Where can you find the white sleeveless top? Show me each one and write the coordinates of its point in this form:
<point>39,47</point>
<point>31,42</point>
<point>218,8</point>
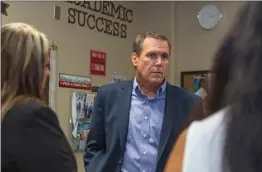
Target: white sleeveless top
<point>204,144</point>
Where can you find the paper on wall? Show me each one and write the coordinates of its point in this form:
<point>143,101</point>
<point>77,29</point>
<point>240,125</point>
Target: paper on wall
<point>74,133</point>
<point>82,111</point>
<point>117,77</point>
<point>74,111</point>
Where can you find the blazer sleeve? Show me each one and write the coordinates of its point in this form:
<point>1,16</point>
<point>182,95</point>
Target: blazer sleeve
<point>37,142</point>
<point>197,112</point>
<point>95,144</point>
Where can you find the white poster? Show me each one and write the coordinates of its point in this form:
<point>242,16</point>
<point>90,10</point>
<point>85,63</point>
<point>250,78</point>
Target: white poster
<point>82,106</point>
<point>117,77</point>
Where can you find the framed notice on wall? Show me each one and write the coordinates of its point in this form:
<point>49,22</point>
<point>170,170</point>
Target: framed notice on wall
<point>97,63</point>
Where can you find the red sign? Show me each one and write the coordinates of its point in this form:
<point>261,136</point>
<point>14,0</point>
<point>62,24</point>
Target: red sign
<point>73,81</point>
<point>97,63</point>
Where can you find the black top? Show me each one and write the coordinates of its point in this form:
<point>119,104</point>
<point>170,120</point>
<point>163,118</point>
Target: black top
<point>32,140</point>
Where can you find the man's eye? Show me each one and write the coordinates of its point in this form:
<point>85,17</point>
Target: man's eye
<point>152,54</point>
<point>164,56</point>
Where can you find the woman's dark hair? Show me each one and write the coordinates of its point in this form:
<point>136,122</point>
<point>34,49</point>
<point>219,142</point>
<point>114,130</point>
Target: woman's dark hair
<point>219,76</point>
<point>237,82</point>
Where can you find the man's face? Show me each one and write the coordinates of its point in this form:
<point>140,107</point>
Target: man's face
<point>152,63</point>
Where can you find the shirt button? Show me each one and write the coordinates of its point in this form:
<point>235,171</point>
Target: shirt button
<point>151,140</point>
<point>146,117</point>
<point>144,152</point>
<point>144,135</point>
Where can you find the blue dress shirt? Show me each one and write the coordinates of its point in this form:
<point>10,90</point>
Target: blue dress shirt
<point>145,121</point>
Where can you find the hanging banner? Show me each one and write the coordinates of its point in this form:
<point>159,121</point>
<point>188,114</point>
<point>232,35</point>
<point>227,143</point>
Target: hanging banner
<point>97,63</point>
<point>74,81</point>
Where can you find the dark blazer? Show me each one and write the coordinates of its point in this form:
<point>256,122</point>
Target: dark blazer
<point>32,141</point>
<point>107,138</point>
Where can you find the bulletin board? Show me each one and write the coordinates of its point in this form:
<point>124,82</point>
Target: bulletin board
<point>188,79</point>
<point>191,81</point>
<point>82,104</point>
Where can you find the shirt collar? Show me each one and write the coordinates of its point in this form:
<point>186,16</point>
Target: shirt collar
<point>160,91</point>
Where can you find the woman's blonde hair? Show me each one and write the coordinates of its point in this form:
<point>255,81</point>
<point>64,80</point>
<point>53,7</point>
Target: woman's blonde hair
<point>24,55</point>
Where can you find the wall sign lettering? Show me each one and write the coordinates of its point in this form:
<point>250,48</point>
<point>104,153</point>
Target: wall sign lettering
<point>87,18</point>
<point>74,81</point>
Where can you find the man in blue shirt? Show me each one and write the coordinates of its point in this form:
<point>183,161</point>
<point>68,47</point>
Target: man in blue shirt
<point>136,123</point>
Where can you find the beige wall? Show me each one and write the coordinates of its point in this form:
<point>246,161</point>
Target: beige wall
<point>193,47</point>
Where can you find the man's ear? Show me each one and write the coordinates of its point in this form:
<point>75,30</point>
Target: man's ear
<point>134,58</point>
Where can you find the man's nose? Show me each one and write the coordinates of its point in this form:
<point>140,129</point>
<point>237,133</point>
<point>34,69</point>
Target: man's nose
<point>159,60</point>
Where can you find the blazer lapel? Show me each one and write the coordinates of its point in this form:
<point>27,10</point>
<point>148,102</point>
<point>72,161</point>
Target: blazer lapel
<point>172,112</point>
<point>124,99</point>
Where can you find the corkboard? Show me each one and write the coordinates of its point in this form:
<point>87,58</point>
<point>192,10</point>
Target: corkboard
<point>187,79</point>
<point>187,82</point>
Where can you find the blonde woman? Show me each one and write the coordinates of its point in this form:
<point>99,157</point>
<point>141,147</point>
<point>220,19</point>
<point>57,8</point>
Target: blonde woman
<point>32,140</point>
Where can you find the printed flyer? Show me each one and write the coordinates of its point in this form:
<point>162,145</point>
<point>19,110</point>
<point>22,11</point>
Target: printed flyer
<point>82,110</point>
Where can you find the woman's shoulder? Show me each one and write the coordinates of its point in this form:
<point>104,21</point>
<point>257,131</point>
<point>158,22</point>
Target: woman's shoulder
<point>209,124</point>
<point>191,150</point>
<point>30,110</point>
<point>28,105</point>
<point>33,126</point>
<point>204,143</point>
<point>202,132</point>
